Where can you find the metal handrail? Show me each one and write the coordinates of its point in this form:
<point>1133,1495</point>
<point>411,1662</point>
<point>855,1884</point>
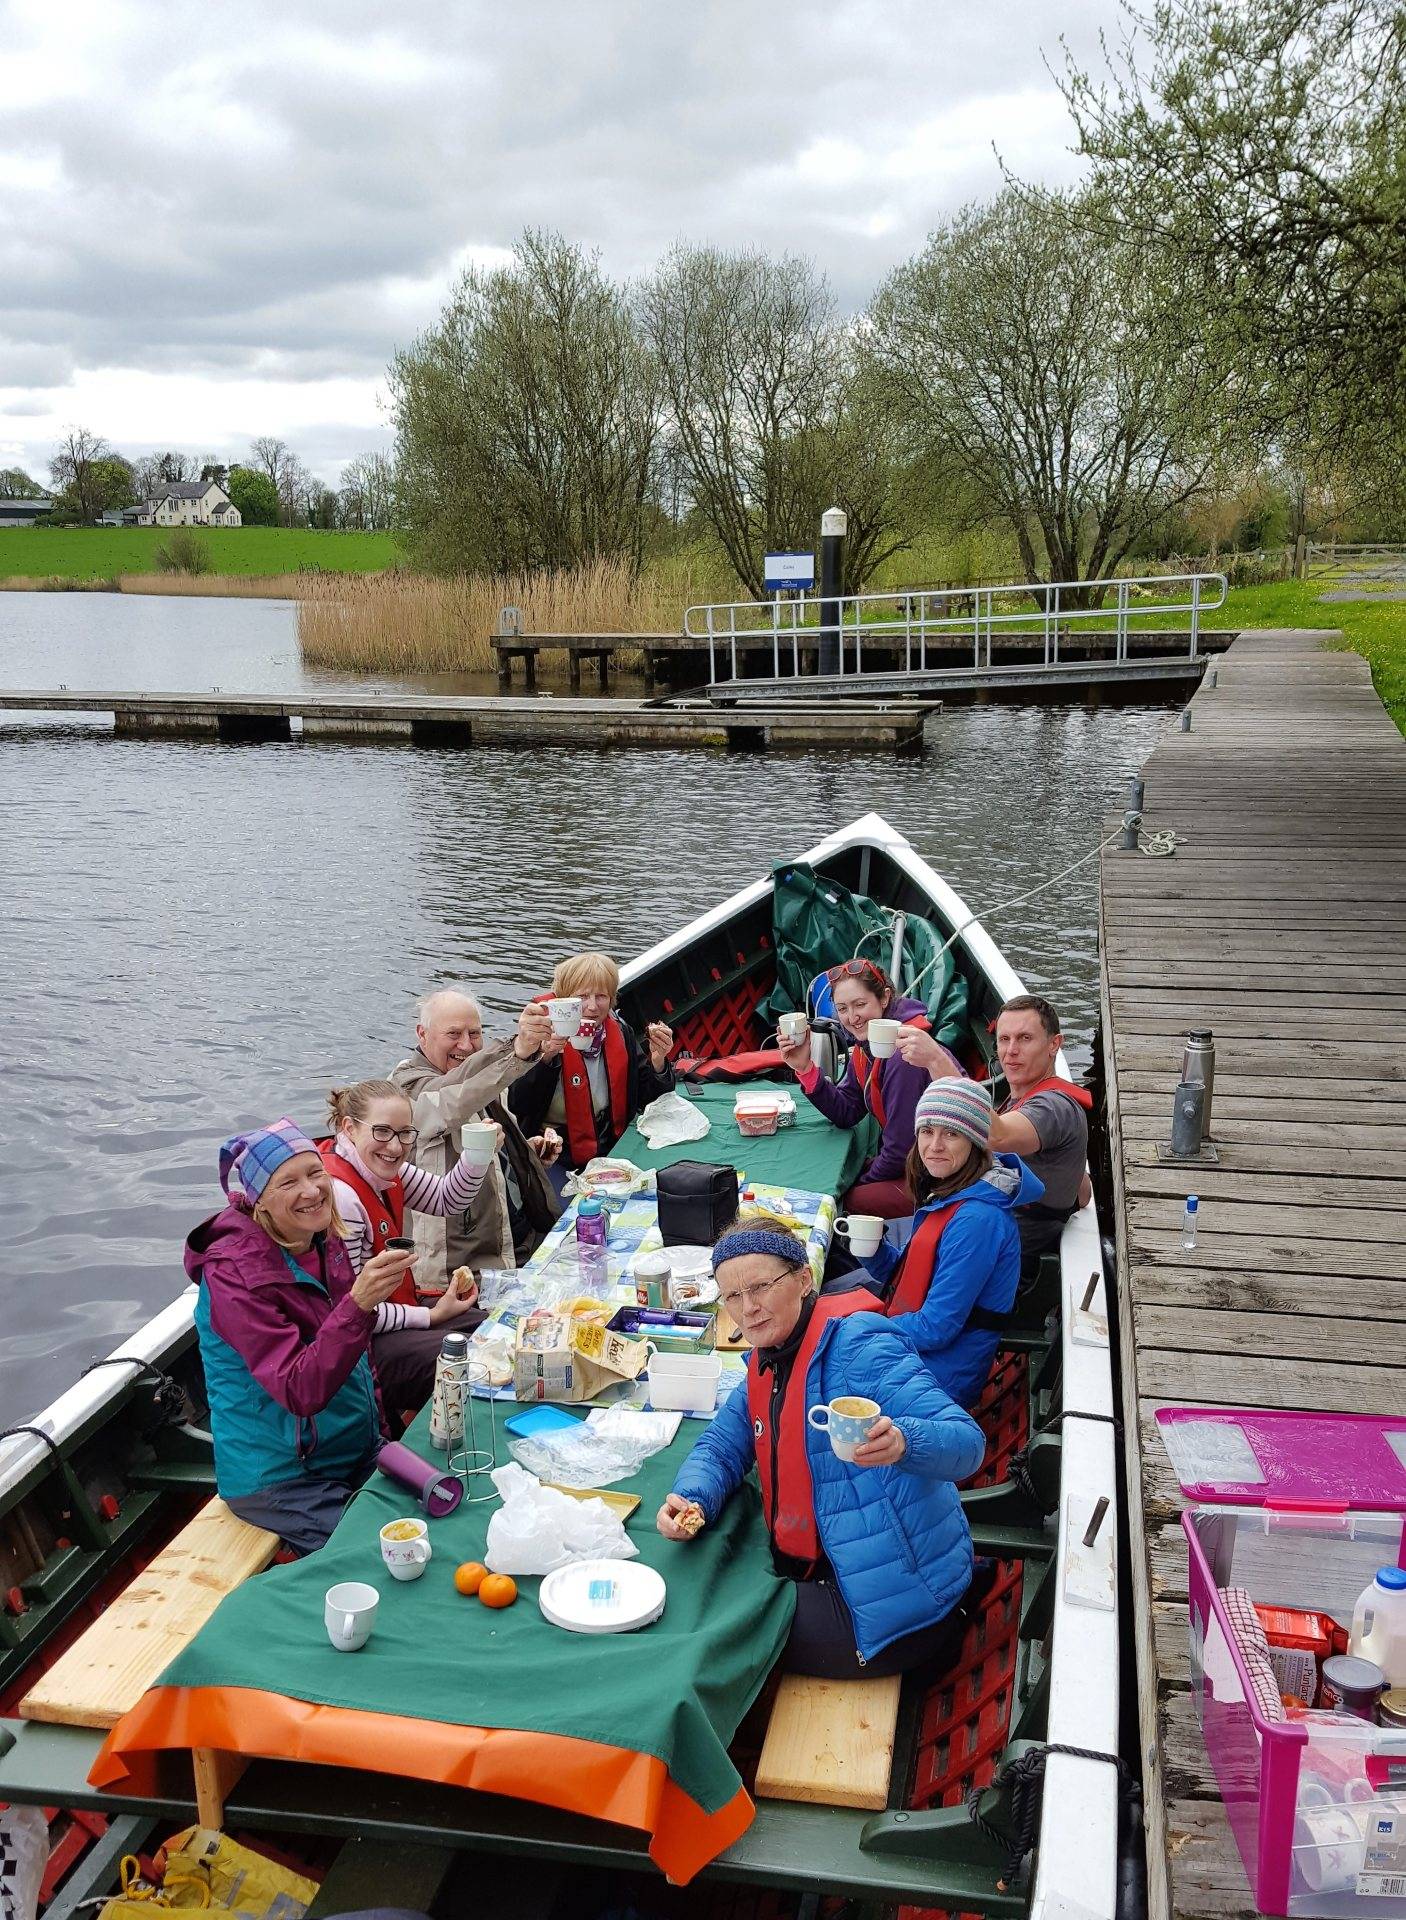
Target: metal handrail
<point>910,617</point>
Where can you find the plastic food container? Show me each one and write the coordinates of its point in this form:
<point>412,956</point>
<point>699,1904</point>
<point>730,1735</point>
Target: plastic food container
<point>756,1114</point>
<point>684,1382</point>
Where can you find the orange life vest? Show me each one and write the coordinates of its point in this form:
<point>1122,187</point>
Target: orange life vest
<point>1079,1095</point>
<point>866,1072</point>
<point>385,1212</point>
<point>783,1468</point>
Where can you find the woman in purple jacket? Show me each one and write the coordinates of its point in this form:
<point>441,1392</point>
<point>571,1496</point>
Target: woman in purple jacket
<point>285,1330</point>
<point>887,1089</point>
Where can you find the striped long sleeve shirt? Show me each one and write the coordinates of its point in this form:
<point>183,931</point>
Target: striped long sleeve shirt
<point>425,1192</point>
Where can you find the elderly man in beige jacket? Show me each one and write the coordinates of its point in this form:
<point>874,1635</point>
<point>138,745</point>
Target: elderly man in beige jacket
<point>454,1077</point>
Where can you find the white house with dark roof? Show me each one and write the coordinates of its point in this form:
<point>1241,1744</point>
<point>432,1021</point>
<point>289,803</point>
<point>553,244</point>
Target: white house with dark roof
<point>186,503</point>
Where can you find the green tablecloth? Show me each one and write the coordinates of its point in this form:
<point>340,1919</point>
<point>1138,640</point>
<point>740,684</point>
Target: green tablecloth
<point>676,1690</point>
<point>812,1154</point>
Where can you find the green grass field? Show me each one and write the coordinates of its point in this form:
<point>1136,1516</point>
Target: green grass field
<point>105,553</point>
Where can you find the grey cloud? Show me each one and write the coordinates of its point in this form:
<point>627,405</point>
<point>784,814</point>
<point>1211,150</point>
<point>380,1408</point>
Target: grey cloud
<point>242,190</point>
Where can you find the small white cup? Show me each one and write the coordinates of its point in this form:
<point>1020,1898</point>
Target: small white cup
<point>792,1028</point>
<point>882,1038</point>
<point>1329,1845</point>
<point>406,1553</point>
<point>350,1614</point>
<point>864,1231</point>
<point>480,1139</point>
<point>565,1016</point>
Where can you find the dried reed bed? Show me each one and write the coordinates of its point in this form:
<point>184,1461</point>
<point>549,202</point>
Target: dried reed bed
<point>416,624</point>
<point>232,586</point>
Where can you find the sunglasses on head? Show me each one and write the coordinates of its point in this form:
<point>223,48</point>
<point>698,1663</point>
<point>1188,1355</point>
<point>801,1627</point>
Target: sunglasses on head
<point>857,970</point>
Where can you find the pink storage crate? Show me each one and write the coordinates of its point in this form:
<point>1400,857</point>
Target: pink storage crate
<point>1317,1803</point>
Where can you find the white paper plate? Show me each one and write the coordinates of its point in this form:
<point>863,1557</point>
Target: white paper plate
<point>565,1596</point>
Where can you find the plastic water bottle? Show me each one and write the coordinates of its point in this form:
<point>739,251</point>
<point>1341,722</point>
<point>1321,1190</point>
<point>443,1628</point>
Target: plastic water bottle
<point>1379,1624</point>
<point>1188,1221</point>
<point>592,1231</point>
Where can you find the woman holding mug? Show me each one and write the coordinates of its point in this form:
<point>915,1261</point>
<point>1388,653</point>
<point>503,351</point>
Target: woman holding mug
<point>888,1088</point>
<point>604,1074</point>
<point>285,1327</point>
<point>876,1543</point>
<point>373,1185</point>
<point>950,1290</point>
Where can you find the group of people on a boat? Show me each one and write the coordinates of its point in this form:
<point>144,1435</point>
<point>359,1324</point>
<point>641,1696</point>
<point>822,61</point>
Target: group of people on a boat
<point>327,1281</point>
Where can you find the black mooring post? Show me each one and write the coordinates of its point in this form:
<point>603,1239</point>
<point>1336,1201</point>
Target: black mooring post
<point>833,525</point>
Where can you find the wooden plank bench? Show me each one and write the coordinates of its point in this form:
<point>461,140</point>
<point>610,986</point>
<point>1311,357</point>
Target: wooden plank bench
<point>110,1666</point>
<point>830,1742</point>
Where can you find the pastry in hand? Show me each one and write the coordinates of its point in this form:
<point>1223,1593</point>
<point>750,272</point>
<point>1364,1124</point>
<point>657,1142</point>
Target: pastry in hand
<point>463,1282</point>
<point>691,1519</point>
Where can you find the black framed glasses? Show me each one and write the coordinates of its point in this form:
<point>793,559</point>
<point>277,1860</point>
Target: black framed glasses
<point>407,1136</point>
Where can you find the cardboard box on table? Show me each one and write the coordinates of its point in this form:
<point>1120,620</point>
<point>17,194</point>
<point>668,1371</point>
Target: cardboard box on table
<point>583,1359</point>
<point>1303,1509</point>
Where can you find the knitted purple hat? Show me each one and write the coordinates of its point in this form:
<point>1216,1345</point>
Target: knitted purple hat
<point>962,1106</point>
<point>254,1158</point>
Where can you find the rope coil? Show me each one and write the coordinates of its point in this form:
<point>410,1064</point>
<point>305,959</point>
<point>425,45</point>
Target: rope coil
<point>1024,1779</point>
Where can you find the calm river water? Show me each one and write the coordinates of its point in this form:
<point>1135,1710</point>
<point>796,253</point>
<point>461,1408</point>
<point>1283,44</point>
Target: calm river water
<point>201,937</point>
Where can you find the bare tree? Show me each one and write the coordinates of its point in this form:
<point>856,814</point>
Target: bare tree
<point>1035,367</point>
<point>290,477</point>
<point>75,470</point>
<point>527,418</point>
<point>368,493</point>
<point>769,419</point>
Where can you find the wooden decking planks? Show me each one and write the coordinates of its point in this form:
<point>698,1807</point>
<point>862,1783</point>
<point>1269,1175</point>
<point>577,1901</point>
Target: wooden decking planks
<point>1279,923</point>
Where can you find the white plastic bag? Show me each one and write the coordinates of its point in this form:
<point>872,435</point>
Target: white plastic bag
<point>537,1529</point>
<point>670,1120</point>
<point>24,1853</point>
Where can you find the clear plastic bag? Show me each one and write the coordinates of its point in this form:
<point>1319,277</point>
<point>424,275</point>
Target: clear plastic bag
<point>671,1120</point>
<point>24,1853</point>
<point>591,1454</point>
<point>537,1529</point>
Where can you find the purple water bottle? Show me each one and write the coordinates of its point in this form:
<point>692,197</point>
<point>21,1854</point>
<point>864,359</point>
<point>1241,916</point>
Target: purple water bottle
<point>592,1231</point>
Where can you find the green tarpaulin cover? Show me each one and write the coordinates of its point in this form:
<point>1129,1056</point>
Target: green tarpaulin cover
<point>817,923</point>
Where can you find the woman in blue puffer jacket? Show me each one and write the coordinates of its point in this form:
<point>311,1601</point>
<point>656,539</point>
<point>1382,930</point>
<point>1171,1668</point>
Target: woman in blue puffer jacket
<point>877,1544</point>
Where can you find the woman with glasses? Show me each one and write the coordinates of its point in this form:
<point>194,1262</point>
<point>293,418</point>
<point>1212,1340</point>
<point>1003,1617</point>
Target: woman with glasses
<point>285,1327</point>
<point>373,1184</point>
<point>889,1089</point>
<point>877,1545</point>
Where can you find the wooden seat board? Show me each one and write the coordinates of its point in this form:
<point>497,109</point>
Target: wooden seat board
<point>830,1742</point>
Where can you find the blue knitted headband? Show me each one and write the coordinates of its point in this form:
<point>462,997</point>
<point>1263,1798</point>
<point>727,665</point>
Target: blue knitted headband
<point>760,1240</point>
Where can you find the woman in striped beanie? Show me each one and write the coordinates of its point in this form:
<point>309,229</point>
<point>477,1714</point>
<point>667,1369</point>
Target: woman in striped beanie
<point>951,1286</point>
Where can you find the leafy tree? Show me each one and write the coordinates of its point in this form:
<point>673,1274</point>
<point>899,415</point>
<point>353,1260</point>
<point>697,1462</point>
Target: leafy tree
<point>1041,385</point>
<point>771,418</point>
<point>527,418</point>
<point>1260,152</point>
<point>16,484</point>
<point>255,495</point>
<point>215,470</point>
<point>323,506</point>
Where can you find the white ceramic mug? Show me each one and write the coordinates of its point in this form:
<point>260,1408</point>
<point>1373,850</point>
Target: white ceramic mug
<point>864,1231</point>
<point>882,1038</point>
<point>792,1028</point>
<point>480,1142</point>
<point>405,1548</point>
<point>350,1614</point>
<point>565,1015</point>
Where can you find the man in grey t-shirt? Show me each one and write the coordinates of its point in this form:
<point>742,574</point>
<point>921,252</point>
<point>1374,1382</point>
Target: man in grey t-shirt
<point>1044,1119</point>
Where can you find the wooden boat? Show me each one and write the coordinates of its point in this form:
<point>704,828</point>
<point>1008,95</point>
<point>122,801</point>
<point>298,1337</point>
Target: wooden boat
<point>115,1467</point>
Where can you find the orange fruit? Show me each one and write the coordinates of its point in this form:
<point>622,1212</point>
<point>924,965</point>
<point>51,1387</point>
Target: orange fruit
<point>498,1590</point>
<point>471,1576</point>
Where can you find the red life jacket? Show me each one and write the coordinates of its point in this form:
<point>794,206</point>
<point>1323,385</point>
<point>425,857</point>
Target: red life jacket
<point>734,1066</point>
<point>916,1271</point>
<point>1079,1095</point>
<point>866,1072</point>
<point>385,1212</point>
<point>788,1499</point>
<point>581,1138</point>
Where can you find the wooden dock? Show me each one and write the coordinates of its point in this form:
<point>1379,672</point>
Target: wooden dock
<point>484,721</point>
<point>1280,923</point>
<point>1158,678</point>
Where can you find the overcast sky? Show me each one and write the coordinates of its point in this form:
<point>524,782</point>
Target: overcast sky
<point>219,218</point>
